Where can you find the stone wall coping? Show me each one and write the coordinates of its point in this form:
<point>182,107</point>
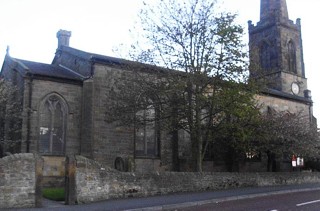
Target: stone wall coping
<point>21,156</point>
<point>92,164</point>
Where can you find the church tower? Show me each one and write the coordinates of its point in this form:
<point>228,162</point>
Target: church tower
<point>276,53</point>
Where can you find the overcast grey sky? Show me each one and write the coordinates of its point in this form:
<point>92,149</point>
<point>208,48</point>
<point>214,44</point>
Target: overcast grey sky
<point>29,27</point>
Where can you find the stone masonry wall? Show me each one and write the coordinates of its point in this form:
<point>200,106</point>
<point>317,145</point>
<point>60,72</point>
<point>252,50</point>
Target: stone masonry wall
<point>18,181</point>
<point>109,140</point>
<point>94,182</point>
<point>72,94</point>
<point>281,105</point>
<point>53,171</point>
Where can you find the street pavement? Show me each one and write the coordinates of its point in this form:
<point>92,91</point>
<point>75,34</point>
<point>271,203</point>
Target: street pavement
<point>298,201</point>
<point>179,200</point>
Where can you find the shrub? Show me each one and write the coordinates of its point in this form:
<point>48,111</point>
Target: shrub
<point>56,194</point>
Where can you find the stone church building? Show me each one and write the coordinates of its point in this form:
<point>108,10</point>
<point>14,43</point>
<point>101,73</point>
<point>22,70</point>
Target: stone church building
<point>276,51</point>
<point>64,103</point>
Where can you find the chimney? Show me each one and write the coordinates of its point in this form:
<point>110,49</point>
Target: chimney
<point>63,37</point>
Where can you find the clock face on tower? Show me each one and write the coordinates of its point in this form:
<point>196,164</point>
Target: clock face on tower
<point>295,88</point>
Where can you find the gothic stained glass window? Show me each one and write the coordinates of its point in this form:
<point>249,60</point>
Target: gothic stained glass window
<point>52,126</point>
<point>292,62</point>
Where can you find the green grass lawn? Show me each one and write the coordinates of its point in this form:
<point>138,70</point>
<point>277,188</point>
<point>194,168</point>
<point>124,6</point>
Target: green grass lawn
<point>56,194</point>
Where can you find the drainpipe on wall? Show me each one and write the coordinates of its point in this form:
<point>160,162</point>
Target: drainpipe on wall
<point>29,113</point>
<point>307,94</point>
<point>311,114</point>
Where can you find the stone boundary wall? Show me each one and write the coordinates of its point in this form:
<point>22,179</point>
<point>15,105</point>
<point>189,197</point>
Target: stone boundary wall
<point>20,176</point>
<point>93,182</point>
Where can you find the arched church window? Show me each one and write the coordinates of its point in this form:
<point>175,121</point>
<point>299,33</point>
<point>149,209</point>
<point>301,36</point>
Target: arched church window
<point>52,125</point>
<point>265,56</point>
<point>292,61</point>
<point>147,133</point>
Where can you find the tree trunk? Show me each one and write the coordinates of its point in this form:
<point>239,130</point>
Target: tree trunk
<point>175,151</point>
<point>198,131</point>
<point>175,136</point>
<point>199,155</point>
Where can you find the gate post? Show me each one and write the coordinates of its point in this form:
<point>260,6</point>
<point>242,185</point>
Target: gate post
<point>38,178</point>
<point>70,180</point>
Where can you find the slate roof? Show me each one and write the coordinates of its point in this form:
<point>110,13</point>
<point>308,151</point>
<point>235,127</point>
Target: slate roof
<point>102,59</point>
<point>92,56</point>
<point>281,94</point>
<point>48,70</point>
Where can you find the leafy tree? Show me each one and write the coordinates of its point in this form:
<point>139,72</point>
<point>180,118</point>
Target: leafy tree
<point>236,134</point>
<point>207,49</point>
<point>10,118</point>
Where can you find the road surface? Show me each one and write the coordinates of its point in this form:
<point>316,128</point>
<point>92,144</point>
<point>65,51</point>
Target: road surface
<point>234,198</point>
<point>306,200</point>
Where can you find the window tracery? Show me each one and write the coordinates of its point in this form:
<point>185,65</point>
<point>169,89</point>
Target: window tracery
<point>52,126</point>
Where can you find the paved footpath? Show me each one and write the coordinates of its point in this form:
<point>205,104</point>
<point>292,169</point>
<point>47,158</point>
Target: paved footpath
<point>174,201</point>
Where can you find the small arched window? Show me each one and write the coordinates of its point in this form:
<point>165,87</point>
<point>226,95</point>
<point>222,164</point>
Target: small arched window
<point>292,61</point>
<point>52,125</point>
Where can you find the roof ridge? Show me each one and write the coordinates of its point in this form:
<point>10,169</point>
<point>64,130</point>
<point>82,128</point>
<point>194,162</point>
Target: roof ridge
<point>72,71</point>
<point>24,60</point>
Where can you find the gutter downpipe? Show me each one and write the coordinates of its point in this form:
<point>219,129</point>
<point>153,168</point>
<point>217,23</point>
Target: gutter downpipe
<point>29,113</point>
<point>84,78</point>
